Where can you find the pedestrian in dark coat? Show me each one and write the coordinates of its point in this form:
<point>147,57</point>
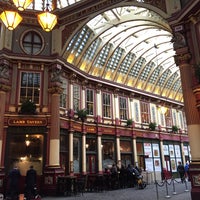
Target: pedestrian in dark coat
<point>31,179</point>
<point>181,171</point>
<point>14,182</point>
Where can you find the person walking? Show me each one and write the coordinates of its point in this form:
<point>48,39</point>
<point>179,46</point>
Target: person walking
<point>181,171</point>
<point>30,181</point>
<point>187,173</point>
<point>14,180</point>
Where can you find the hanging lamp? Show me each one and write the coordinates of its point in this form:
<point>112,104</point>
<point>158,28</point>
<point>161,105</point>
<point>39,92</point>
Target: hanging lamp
<point>22,4</point>
<point>47,20</point>
<point>11,19</point>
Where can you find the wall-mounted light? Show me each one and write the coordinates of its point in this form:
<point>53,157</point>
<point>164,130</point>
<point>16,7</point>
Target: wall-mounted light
<point>86,146</point>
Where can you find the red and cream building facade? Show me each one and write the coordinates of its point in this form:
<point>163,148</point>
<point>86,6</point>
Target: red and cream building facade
<point>46,69</point>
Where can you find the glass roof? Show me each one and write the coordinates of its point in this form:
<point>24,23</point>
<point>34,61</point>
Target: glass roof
<point>41,4</point>
<point>131,46</point>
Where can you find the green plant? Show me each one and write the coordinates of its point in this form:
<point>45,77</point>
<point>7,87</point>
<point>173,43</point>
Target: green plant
<point>129,122</point>
<point>174,128</point>
<point>28,107</point>
<point>152,126</point>
<point>82,114</point>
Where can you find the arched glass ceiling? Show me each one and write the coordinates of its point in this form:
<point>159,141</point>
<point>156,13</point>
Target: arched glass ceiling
<point>41,4</point>
<point>131,46</point>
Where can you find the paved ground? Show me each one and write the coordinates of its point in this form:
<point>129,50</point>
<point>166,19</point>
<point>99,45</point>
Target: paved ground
<point>160,191</point>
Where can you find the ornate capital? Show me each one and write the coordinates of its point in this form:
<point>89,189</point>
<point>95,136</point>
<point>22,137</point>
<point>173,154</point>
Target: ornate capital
<point>182,59</point>
<point>55,90</point>
<point>5,88</point>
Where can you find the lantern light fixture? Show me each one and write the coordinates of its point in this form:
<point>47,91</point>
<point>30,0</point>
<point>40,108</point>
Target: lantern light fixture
<point>11,18</point>
<point>47,20</point>
<point>22,4</point>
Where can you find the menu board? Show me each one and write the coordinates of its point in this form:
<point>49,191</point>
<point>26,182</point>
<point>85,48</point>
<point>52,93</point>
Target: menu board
<point>149,164</point>
<point>147,149</point>
<point>156,152</point>
<point>165,150</point>
<point>177,151</point>
<point>171,150</point>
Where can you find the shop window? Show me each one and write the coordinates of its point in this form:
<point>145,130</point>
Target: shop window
<point>77,155</point>
<point>24,151</point>
<point>32,43</point>
<point>30,87</point>
<point>90,101</point>
<point>91,144</point>
<point>123,108</point>
<point>125,146</point>
<point>108,153</point>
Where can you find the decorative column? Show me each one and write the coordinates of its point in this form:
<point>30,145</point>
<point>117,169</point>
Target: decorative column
<point>71,159</point>
<point>192,117</point>
<point>99,151</point>
<point>162,155</point>
<point>135,151</point>
<point>84,154</point>
<point>118,151</point>
<point>53,169</point>
<point>4,88</point>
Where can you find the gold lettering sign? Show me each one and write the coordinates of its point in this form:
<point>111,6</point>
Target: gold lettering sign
<point>27,122</point>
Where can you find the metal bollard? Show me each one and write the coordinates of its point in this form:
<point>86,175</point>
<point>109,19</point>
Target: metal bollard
<point>186,187</point>
<point>167,196</point>
<point>174,192</point>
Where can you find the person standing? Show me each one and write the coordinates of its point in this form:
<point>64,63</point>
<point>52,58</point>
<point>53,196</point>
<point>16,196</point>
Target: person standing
<point>30,181</point>
<point>187,170</point>
<point>14,180</point>
<point>181,171</point>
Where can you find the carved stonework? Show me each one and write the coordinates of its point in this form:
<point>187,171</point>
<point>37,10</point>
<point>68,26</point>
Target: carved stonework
<point>55,90</point>
<point>4,71</point>
<point>56,74</point>
<point>182,59</point>
<point>4,88</point>
<point>178,40</point>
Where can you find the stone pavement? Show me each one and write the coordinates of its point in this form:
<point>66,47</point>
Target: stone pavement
<point>160,191</point>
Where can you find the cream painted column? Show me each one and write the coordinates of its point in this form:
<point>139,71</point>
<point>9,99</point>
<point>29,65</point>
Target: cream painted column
<point>116,108</point>
<point>99,101</point>
<point>54,146</point>
<point>183,154</point>
<point>84,153</point>
<point>118,150</point>
<point>99,151</point>
<point>162,155</point>
<point>71,160</point>
<point>135,150</point>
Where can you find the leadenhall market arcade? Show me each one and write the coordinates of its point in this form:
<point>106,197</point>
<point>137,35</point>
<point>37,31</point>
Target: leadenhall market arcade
<point>107,82</point>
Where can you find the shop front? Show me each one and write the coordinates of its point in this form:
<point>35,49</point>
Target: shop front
<point>25,147</point>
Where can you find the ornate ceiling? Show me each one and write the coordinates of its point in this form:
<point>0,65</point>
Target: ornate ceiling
<point>131,46</point>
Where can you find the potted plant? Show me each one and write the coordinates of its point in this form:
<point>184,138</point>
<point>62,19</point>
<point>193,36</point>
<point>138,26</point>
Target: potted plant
<point>152,126</point>
<point>174,128</point>
<point>28,107</point>
<point>129,122</point>
<point>82,114</point>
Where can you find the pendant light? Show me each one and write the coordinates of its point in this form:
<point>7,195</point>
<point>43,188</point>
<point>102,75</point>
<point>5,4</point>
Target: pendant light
<point>22,4</point>
<point>11,19</point>
<point>47,20</point>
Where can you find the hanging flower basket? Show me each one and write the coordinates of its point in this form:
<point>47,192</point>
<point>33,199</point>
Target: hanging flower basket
<point>28,107</point>
<point>152,126</point>
<point>82,114</point>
